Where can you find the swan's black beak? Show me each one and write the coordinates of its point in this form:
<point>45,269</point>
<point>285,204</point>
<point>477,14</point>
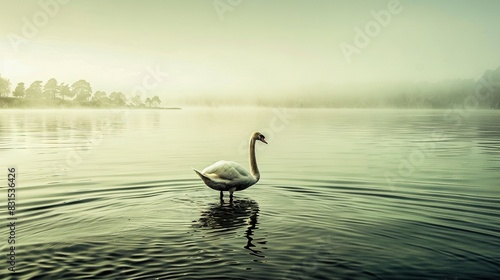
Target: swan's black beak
<point>263,140</point>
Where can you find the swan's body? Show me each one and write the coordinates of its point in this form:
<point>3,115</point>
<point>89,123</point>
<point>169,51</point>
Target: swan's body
<point>230,176</point>
<point>224,175</point>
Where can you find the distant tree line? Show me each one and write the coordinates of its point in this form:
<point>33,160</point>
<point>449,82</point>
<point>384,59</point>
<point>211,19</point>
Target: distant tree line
<point>79,92</point>
<point>484,93</point>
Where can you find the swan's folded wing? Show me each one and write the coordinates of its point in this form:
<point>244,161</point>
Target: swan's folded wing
<point>226,170</point>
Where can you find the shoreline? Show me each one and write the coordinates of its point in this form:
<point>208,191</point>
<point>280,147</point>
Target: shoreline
<point>35,103</point>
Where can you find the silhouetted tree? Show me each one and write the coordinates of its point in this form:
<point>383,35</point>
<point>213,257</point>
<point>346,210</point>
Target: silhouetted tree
<point>136,100</point>
<point>100,98</point>
<point>82,90</point>
<point>35,90</point>
<point>156,100</point>
<point>4,86</point>
<point>98,95</point>
<point>118,98</point>
<point>148,102</point>
<point>50,89</point>
<point>20,90</point>
<point>65,91</point>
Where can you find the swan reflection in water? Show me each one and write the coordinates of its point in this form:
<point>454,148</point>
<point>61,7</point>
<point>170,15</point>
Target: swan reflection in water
<point>225,218</point>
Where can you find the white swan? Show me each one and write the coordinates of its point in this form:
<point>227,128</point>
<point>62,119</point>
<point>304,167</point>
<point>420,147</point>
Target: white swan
<point>230,176</point>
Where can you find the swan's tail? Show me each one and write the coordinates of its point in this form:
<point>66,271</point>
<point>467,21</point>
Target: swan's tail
<point>203,177</point>
<point>199,173</point>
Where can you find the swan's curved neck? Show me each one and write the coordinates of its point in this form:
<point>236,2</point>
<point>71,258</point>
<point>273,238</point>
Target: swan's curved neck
<point>253,161</point>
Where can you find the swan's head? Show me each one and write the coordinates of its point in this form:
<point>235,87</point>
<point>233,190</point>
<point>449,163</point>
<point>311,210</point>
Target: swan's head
<point>259,136</point>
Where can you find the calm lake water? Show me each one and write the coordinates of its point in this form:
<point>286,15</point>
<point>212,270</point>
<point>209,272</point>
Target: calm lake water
<point>344,194</point>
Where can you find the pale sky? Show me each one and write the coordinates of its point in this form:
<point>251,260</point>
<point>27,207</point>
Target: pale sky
<point>254,46</point>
